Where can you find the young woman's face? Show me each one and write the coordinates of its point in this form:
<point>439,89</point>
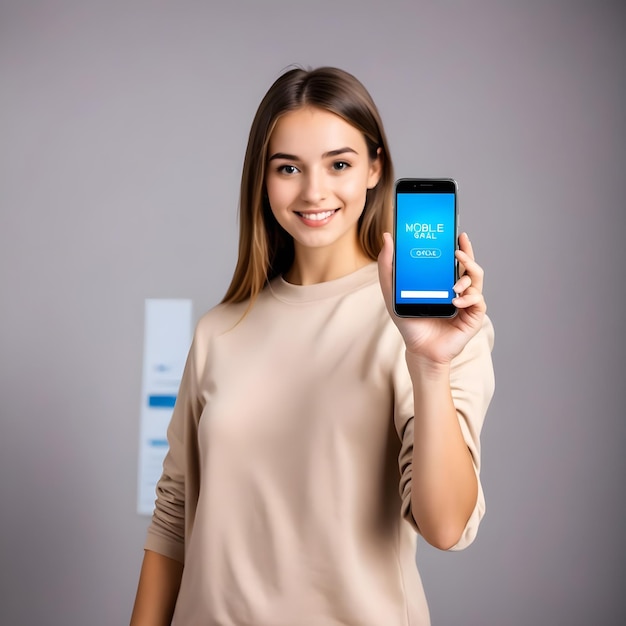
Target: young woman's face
<point>318,173</point>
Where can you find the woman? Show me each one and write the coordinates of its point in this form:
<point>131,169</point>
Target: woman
<point>315,433</point>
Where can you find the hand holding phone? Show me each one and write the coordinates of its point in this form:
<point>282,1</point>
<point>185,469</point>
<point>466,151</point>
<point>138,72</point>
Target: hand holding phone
<point>425,232</point>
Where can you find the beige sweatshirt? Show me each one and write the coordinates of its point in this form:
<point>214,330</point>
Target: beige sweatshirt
<point>286,489</point>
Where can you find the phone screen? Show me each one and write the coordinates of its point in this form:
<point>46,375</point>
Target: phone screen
<point>425,241</point>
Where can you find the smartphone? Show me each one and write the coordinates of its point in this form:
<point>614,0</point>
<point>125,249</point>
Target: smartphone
<point>425,232</point>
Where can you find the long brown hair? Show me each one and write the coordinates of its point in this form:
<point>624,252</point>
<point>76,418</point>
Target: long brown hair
<point>265,248</point>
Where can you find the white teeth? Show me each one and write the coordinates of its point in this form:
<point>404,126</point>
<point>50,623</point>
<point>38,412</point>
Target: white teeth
<point>317,217</point>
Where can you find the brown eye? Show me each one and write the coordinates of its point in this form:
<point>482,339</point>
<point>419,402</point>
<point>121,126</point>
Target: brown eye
<point>287,169</point>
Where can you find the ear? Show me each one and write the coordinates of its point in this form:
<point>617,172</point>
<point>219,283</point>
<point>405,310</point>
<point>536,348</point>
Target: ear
<point>376,170</point>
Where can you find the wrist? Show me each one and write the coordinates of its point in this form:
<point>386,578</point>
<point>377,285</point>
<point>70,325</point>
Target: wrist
<point>421,365</point>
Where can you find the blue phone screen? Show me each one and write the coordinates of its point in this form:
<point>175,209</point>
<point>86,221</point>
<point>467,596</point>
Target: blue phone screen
<point>425,244</point>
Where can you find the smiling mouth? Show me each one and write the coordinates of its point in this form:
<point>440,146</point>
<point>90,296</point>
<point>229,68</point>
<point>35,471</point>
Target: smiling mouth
<point>318,216</point>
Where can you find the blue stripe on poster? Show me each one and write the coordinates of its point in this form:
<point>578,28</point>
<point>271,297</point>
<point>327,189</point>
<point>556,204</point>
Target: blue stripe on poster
<point>161,402</point>
<point>158,443</point>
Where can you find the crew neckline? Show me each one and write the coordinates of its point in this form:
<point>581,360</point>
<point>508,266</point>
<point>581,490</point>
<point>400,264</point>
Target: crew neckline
<point>288,292</point>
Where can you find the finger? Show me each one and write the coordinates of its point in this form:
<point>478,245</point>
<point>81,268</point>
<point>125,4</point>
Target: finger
<point>472,269</point>
<point>385,260</point>
<point>462,284</point>
<point>466,245</point>
<point>470,299</point>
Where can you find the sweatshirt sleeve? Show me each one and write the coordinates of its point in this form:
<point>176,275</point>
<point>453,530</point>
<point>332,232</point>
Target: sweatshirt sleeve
<point>177,489</point>
<point>472,385</point>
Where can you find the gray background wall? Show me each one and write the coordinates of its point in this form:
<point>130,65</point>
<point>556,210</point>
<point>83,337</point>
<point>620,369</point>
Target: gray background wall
<point>122,131</point>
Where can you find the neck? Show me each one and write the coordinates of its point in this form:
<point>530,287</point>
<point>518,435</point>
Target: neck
<point>318,265</point>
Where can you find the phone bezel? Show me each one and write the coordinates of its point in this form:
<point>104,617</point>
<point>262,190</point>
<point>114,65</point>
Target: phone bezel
<point>425,185</point>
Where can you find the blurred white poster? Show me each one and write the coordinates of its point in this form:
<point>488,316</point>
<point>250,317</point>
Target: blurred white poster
<point>166,343</point>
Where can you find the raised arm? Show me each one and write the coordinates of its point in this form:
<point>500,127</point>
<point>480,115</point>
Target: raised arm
<point>444,486</point>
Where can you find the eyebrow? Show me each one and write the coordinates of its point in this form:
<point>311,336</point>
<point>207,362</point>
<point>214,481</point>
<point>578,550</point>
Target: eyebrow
<point>330,153</point>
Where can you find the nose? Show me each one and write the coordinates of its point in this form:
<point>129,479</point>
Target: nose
<point>313,188</point>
